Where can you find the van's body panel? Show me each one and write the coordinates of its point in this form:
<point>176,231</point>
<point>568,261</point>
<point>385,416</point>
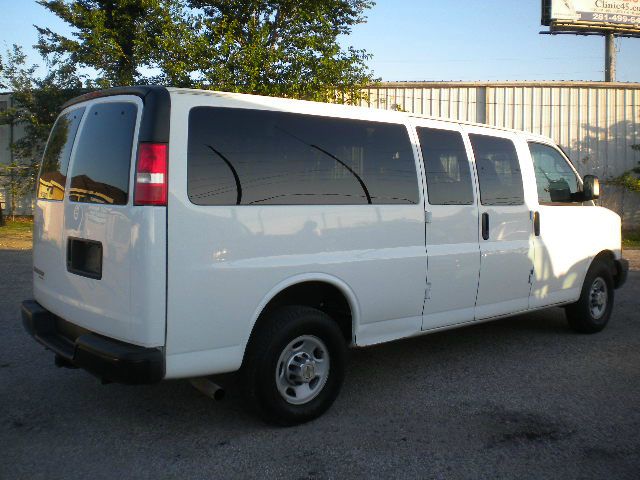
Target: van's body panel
<point>225,270</point>
<point>568,241</point>
<point>507,254</point>
<point>565,249</point>
<point>188,282</point>
<point>128,302</point>
<point>453,251</point>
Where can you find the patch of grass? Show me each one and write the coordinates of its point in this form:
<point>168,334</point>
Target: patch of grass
<point>631,240</point>
<point>17,226</point>
<point>16,234</point>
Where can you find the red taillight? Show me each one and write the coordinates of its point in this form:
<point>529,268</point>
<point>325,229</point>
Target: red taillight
<point>151,175</point>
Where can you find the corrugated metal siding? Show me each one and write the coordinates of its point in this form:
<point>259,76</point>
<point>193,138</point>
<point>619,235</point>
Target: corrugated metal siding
<point>595,123</point>
<point>447,102</point>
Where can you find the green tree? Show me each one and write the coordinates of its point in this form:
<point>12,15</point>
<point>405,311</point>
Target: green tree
<point>35,103</point>
<point>126,42</point>
<point>270,47</point>
<point>2,87</point>
<point>282,48</point>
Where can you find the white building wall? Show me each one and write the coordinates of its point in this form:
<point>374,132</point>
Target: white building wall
<point>595,122</point>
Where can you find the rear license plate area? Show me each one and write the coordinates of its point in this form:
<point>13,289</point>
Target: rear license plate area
<point>84,257</point>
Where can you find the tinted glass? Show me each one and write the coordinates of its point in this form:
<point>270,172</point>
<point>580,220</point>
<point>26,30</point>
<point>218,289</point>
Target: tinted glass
<point>55,161</point>
<point>447,167</point>
<point>556,181</point>
<point>100,172</point>
<point>498,170</point>
<point>255,157</point>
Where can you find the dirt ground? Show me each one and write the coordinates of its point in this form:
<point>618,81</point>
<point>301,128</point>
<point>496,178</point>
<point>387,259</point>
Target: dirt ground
<point>522,397</point>
<point>634,258</point>
<point>16,236</point>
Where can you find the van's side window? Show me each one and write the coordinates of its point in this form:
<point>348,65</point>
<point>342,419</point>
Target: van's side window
<point>556,180</point>
<point>259,157</point>
<point>498,168</point>
<point>447,167</point>
<point>55,161</point>
<point>102,159</point>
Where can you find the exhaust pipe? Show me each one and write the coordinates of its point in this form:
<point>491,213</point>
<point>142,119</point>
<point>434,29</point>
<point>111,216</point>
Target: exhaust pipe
<point>209,388</point>
<point>62,362</point>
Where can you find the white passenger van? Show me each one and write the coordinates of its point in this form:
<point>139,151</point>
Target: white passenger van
<point>184,233</point>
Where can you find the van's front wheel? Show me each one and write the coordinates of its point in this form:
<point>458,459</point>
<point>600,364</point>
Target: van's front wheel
<point>294,365</point>
<point>590,314</point>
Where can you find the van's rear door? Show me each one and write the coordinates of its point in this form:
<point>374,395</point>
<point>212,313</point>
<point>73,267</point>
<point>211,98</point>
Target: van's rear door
<point>100,260</point>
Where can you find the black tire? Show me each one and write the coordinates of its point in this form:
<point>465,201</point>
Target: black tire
<point>580,315</point>
<point>259,370</point>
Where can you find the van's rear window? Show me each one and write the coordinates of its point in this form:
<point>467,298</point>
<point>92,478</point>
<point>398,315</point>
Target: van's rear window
<point>102,159</point>
<point>55,161</point>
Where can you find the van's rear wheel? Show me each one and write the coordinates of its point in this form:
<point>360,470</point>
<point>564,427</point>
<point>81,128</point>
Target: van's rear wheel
<point>591,313</point>
<point>294,365</point>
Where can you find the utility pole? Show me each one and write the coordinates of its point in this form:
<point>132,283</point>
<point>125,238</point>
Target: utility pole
<point>609,57</point>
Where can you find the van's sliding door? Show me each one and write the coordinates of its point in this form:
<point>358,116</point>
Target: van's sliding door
<point>505,226</point>
<point>451,218</point>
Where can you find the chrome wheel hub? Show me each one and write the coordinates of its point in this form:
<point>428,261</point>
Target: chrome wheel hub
<point>598,298</point>
<point>302,369</point>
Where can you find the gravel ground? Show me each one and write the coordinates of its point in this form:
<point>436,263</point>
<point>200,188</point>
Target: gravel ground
<point>517,398</point>
<point>634,258</point>
<point>15,238</point>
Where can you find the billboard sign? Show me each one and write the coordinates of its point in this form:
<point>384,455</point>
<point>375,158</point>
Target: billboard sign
<point>602,15</point>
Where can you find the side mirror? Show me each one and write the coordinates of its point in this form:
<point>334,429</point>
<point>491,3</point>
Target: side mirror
<point>590,187</point>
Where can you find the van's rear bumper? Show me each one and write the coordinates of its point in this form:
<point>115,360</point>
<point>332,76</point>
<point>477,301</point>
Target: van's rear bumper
<point>108,359</point>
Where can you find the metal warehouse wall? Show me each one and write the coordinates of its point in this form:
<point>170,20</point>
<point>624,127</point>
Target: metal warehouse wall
<point>595,122</point>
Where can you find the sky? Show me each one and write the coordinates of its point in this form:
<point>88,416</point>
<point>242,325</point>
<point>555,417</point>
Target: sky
<point>432,40</point>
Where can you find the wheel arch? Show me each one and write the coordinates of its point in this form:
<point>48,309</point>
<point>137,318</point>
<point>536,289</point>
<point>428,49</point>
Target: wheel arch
<point>617,266</point>
<point>581,315</point>
<point>606,256</point>
<point>306,287</point>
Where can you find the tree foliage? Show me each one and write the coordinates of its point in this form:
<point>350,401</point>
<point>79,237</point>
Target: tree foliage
<point>35,103</point>
<point>272,47</point>
<point>119,38</point>
<point>283,47</point>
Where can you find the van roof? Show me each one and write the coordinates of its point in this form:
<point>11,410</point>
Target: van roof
<point>284,101</point>
<point>156,96</point>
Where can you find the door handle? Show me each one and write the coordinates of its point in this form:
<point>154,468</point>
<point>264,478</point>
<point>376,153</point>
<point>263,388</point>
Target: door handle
<point>485,226</point>
<point>536,224</point>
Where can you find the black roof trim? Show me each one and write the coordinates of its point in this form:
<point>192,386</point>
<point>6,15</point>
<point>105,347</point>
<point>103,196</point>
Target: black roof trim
<point>155,116</point>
